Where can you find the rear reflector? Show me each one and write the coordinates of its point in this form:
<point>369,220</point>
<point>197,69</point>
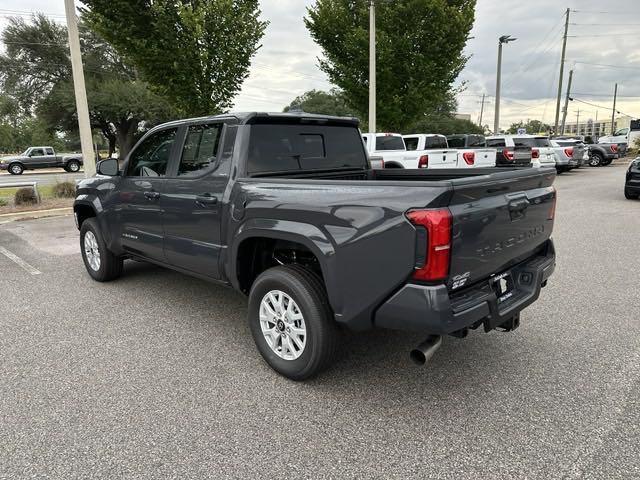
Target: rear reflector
<point>614,148</point>
<point>423,162</point>
<point>552,210</point>
<point>568,152</point>
<point>469,158</point>
<point>535,153</point>
<point>508,155</point>
<point>437,223</point>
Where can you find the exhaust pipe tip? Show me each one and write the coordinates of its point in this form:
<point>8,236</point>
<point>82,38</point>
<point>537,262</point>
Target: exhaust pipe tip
<point>423,352</point>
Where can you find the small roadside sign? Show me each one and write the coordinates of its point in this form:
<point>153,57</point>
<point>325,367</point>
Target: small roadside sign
<point>522,131</point>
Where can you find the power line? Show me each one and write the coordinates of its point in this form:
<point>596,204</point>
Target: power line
<point>600,106</point>
<point>607,65</point>
<point>605,35</point>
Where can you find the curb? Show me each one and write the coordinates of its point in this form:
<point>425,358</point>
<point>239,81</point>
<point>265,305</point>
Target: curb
<point>35,214</point>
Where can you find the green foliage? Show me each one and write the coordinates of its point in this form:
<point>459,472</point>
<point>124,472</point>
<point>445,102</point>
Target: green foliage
<point>3,202</point>
<point>64,190</point>
<point>532,127</point>
<point>636,144</point>
<point>25,196</point>
<point>419,53</point>
<point>332,102</point>
<point>197,53</point>
<point>36,74</point>
<point>443,124</point>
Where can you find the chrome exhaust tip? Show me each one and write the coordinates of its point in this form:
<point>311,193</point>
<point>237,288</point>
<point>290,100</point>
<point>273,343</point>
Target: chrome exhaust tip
<point>423,352</point>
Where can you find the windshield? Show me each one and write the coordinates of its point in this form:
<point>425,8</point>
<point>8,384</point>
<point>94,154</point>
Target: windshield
<point>389,142</point>
<point>532,142</point>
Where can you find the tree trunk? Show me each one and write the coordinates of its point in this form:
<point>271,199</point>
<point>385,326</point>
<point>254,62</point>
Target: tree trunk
<point>125,133</point>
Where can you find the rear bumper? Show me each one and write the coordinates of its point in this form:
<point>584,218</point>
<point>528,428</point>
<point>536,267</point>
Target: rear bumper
<point>4,166</point>
<point>433,310</point>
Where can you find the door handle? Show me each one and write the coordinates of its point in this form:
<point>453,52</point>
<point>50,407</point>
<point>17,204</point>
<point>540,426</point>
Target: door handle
<point>152,195</point>
<point>518,205</point>
<point>206,199</point>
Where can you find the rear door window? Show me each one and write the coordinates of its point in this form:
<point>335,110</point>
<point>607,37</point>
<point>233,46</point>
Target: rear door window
<point>285,148</point>
<point>435,143</point>
<point>411,143</point>
<point>389,142</point>
<point>200,149</point>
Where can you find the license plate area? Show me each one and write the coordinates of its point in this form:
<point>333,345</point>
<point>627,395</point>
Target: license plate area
<point>503,286</point>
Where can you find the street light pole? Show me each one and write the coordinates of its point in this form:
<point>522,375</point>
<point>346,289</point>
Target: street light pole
<point>496,120</point>
<point>613,112</point>
<point>372,66</point>
<point>82,106</point>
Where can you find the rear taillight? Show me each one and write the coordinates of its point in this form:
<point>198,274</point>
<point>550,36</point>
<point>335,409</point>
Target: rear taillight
<point>469,158</point>
<point>437,224</point>
<point>508,155</point>
<point>423,162</point>
<point>614,148</point>
<point>535,153</point>
<point>568,152</point>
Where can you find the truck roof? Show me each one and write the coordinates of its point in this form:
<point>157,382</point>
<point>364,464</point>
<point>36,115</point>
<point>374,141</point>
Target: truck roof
<point>245,118</point>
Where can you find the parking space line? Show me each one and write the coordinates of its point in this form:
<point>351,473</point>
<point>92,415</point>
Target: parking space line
<point>20,262</point>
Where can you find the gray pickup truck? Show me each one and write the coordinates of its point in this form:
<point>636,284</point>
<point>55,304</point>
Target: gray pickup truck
<point>41,157</point>
<point>286,209</point>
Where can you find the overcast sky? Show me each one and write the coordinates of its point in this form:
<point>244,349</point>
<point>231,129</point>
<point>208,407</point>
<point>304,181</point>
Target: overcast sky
<point>602,33</point>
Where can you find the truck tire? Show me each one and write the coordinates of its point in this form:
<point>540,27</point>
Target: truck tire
<point>72,166</point>
<point>607,161</point>
<point>100,262</point>
<point>596,159</point>
<point>16,169</point>
<point>630,196</point>
<point>291,321</point>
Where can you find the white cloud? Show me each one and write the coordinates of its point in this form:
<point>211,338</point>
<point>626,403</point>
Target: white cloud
<point>286,65</point>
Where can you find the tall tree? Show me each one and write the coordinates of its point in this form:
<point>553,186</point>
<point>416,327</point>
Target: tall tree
<point>36,72</point>
<point>195,52</point>
<point>419,53</point>
<point>332,102</point>
<point>531,126</point>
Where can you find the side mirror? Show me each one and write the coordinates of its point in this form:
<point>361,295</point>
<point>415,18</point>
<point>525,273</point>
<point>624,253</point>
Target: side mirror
<point>108,167</point>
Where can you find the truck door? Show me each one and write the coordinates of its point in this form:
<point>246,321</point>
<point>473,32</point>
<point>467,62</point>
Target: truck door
<point>50,157</point>
<point>36,158</point>
<point>139,192</point>
<point>192,201</point>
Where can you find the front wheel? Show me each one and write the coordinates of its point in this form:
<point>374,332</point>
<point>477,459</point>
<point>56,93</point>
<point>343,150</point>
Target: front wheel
<point>16,169</point>
<point>99,261</point>
<point>630,196</point>
<point>291,321</point>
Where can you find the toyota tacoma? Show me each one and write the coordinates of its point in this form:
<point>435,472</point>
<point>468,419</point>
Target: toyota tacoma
<point>286,209</point>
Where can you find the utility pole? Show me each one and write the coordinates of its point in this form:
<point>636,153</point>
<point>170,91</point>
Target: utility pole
<point>566,103</point>
<point>82,106</point>
<point>578,122</point>
<point>481,110</point>
<point>564,51</point>
<point>613,113</point>
<point>372,66</point>
<point>496,120</point>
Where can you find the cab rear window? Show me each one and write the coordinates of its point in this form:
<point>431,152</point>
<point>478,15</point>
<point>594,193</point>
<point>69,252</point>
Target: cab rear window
<point>287,148</point>
<point>389,142</point>
<point>532,142</point>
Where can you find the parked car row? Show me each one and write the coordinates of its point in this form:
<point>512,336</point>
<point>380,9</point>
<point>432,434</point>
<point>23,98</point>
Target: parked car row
<point>434,151</point>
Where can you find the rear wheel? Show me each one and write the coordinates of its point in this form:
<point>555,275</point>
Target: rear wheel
<point>595,160</point>
<point>99,261</point>
<point>16,169</point>
<point>72,166</point>
<point>291,321</point>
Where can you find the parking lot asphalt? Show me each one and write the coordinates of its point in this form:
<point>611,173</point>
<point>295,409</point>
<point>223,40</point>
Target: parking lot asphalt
<point>156,375</point>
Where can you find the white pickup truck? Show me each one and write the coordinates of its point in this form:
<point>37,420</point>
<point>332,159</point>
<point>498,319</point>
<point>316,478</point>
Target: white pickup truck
<point>391,147</point>
<point>472,151</point>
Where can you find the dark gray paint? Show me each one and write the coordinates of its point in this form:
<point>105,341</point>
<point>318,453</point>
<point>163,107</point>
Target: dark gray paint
<point>356,228</point>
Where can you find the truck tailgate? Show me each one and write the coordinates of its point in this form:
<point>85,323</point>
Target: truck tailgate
<point>498,221</point>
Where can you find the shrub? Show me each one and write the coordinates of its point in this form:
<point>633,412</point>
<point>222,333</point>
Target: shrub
<point>64,190</point>
<point>25,196</point>
<point>3,202</point>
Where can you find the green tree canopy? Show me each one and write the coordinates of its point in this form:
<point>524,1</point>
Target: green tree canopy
<point>197,53</point>
<point>35,72</point>
<point>443,124</point>
<point>531,126</point>
<point>419,53</point>
<point>332,102</point>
